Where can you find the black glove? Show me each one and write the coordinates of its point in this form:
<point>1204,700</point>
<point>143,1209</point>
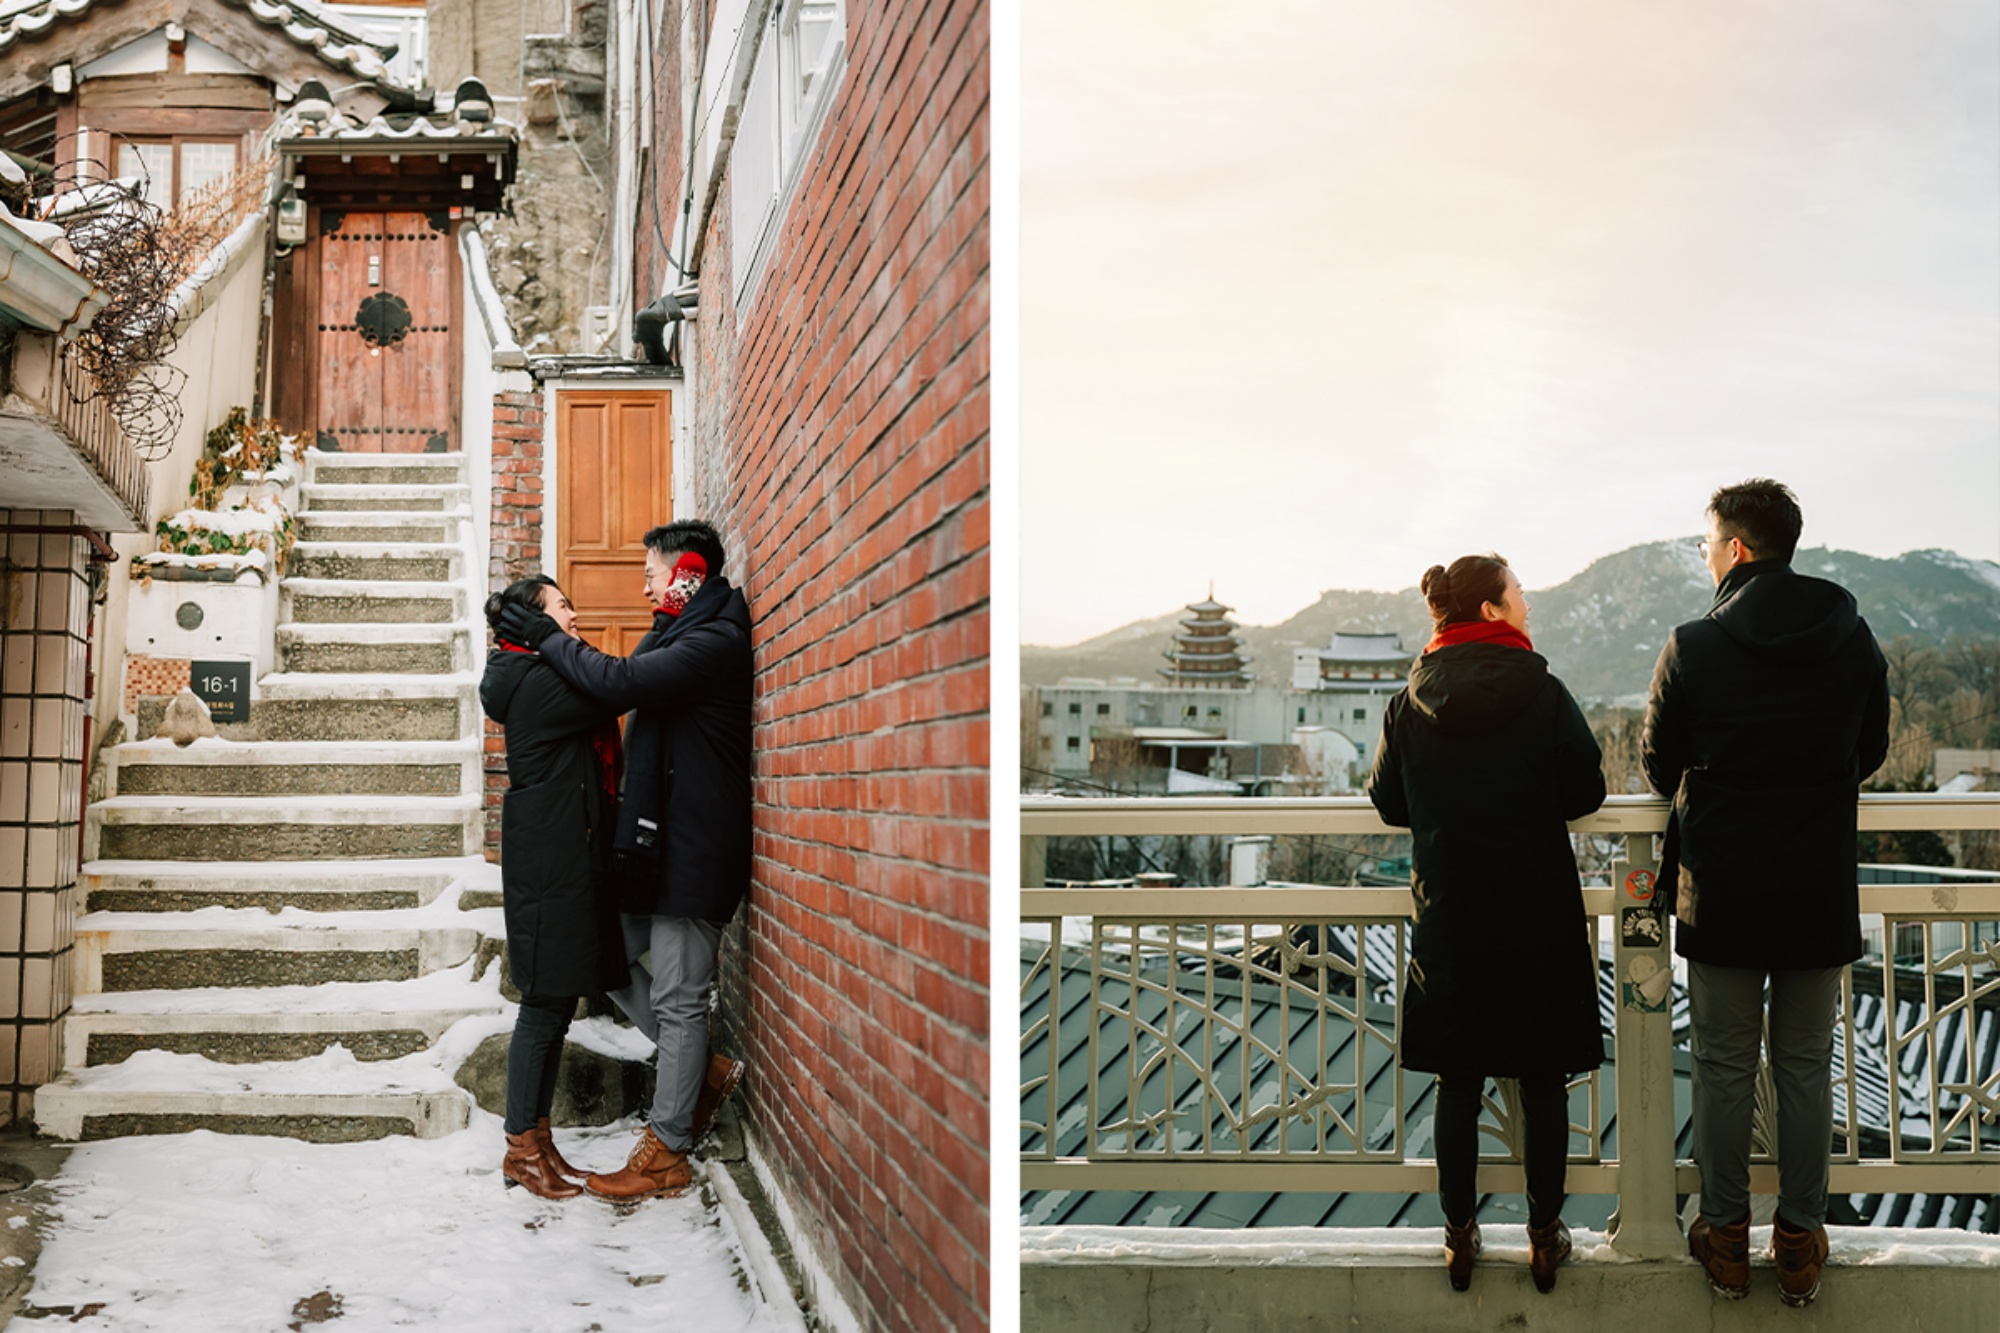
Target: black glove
<point>529,629</point>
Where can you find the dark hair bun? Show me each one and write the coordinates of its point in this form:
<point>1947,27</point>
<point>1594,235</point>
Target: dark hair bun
<point>1436,586</point>
<point>495,603</point>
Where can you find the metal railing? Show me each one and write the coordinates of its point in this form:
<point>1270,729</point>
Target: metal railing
<point>1245,1038</point>
<point>93,431</point>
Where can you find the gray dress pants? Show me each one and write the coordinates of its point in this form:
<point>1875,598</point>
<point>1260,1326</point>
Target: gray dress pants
<point>669,1003</point>
<point>1727,1009</point>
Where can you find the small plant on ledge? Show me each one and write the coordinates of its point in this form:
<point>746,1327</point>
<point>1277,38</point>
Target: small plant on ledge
<point>236,517</point>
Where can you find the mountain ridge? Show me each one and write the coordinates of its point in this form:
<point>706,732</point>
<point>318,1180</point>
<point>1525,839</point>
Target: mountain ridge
<point>1601,629</point>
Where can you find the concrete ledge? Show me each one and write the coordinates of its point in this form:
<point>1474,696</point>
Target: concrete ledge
<point>1123,1280</point>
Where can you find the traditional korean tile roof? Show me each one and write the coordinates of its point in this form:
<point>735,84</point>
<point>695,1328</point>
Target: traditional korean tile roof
<point>300,21</point>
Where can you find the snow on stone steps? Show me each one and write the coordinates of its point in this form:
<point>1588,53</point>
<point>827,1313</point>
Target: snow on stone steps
<point>275,887</point>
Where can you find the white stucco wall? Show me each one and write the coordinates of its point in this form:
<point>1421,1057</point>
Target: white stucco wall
<point>218,353</point>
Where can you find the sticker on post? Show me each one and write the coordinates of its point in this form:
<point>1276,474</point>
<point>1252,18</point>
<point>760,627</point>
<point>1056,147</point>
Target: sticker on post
<point>1639,885</point>
<point>1639,928</point>
<point>1645,986</point>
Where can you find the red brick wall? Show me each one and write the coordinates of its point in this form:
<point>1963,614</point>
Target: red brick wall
<point>515,549</point>
<point>839,425</point>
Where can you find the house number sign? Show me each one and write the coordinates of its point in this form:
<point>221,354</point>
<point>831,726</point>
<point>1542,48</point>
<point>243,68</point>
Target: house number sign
<point>225,688</point>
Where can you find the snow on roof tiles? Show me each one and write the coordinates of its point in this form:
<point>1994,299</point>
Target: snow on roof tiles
<point>302,22</point>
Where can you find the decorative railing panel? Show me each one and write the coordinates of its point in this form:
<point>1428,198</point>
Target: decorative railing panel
<point>1245,1038</point>
<point>86,418</point>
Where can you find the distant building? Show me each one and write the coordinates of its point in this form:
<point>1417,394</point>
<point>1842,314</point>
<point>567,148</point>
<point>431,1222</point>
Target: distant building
<point>1207,652</point>
<point>1351,659</point>
<point>1316,736</point>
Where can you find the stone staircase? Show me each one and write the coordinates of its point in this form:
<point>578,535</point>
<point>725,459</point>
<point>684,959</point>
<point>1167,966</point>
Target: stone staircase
<point>273,939</point>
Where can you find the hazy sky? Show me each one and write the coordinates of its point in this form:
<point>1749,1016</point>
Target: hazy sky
<point>1318,294</point>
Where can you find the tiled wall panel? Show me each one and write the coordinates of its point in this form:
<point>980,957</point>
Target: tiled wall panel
<point>45,606</point>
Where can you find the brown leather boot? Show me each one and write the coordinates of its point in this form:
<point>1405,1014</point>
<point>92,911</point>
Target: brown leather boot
<point>721,1080</point>
<point>1548,1246</point>
<point>543,1132</point>
<point>655,1171</point>
<point>1800,1255</point>
<point>1461,1247</point>
<point>1724,1251</point>
<point>526,1166</point>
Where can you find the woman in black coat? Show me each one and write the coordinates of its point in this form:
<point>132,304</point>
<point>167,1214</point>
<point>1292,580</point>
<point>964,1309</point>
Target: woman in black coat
<point>1484,757</point>
<point>560,810</point>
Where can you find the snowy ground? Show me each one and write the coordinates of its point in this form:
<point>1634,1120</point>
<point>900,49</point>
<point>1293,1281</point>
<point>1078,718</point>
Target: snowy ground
<point>213,1233</point>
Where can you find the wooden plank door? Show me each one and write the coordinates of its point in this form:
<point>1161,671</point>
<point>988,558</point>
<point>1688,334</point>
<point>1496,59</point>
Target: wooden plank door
<point>386,347</point>
<point>613,452</point>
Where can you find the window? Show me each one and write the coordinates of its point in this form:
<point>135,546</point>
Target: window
<point>798,66</point>
<point>1302,715</point>
<point>175,168</point>
<point>1076,710</point>
<point>1104,710</point>
<point>155,163</point>
<point>1188,712</point>
<point>1076,743</point>
<point>203,164</point>
<point>1215,712</point>
<point>1048,709</point>
<point>1360,715</point>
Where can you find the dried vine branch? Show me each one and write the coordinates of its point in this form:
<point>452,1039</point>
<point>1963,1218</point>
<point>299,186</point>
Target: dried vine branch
<point>140,255</point>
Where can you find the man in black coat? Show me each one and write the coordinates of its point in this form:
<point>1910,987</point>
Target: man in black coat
<point>1765,717</point>
<point>683,838</point>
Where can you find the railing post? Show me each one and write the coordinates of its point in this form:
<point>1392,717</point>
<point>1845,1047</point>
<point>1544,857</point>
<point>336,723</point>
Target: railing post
<point>1034,861</point>
<point>1645,1225</point>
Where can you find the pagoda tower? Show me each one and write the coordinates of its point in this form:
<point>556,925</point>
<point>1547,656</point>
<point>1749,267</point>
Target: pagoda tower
<point>1207,651</point>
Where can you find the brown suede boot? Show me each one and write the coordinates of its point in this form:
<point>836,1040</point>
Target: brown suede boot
<point>655,1171</point>
<point>1461,1247</point>
<point>525,1165</point>
<point>1548,1246</point>
<point>546,1134</point>
<point>1800,1255</point>
<point>1724,1251</point>
<point>721,1080</point>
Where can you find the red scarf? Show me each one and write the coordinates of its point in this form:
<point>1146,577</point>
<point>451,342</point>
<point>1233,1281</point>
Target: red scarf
<point>1479,631</point>
<point>507,647</point>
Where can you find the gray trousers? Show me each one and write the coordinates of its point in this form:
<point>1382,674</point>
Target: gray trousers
<point>1727,1008</point>
<point>669,1003</point>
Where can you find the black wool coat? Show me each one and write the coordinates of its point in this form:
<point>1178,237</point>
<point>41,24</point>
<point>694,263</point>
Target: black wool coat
<point>1765,716</point>
<point>1484,757</point>
<point>684,823</point>
<point>555,832</point>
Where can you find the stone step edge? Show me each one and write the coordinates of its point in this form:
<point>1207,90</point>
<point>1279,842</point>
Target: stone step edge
<point>63,1107</point>
<point>379,550</point>
<point>329,811</point>
<point>437,949</point>
<point>299,585</point>
<point>293,753</point>
<point>370,633</point>
<point>450,869</point>
<point>82,1024</point>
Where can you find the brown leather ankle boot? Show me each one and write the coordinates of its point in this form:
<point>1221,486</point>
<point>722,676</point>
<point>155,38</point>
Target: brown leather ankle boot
<point>1800,1255</point>
<point>721,1080</point>
<point>525,1165</point>
<point>1461,1247</point>
<point>1548,1246</point>
<point>1724,1251</point>
<point>655,1171</point>
<point>543,1132</point>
